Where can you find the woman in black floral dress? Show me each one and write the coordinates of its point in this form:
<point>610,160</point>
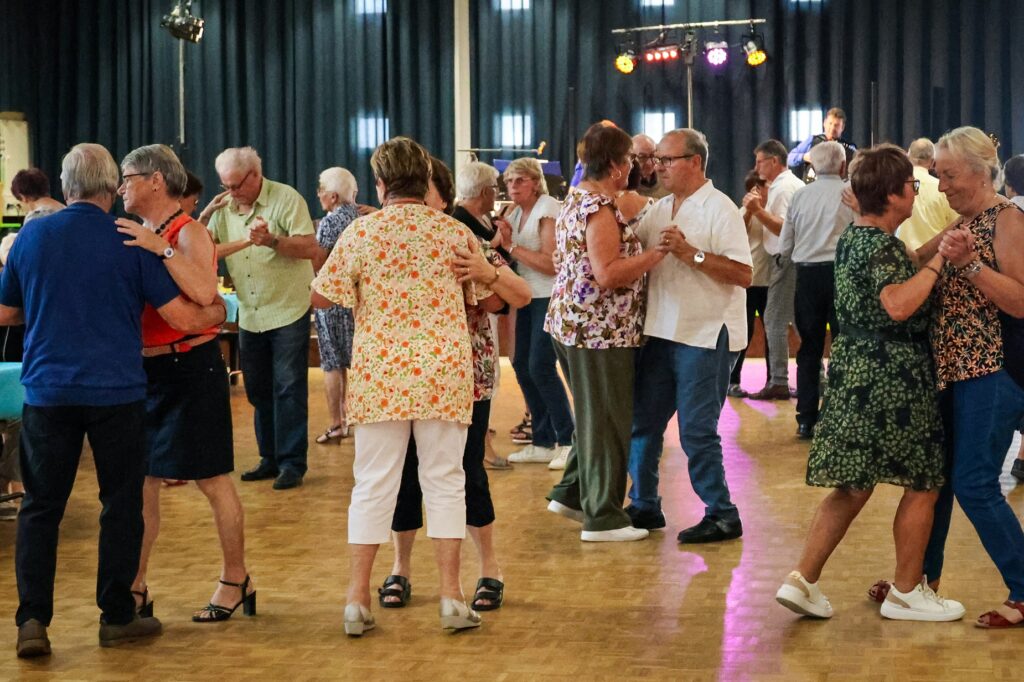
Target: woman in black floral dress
<point>880,420</point>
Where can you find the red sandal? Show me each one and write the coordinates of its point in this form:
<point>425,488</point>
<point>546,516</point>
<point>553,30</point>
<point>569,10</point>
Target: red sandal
<point>996,620</point>
<point>879,591</point>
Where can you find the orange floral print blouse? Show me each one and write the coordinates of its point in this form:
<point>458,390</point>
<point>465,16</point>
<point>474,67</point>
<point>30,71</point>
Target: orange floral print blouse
<point>411,352</point>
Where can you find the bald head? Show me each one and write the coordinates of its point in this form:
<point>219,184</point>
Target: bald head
<point>921,152</point>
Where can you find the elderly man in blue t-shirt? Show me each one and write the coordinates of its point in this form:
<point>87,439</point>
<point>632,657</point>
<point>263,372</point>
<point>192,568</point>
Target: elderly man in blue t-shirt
<point>80,293</point>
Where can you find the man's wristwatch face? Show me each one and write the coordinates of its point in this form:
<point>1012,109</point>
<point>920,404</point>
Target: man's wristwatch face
<point>168,253</point>
<point>698,257</point>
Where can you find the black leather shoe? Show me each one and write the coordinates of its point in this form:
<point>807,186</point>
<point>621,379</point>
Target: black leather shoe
<point>260,473</point>
<point>1017,470</point>
<point>139,628</point>
<point>287,479</point>
<point>651,520</point>
<point>805,431</point>
<point>711,529</point>
<point>32,639</point>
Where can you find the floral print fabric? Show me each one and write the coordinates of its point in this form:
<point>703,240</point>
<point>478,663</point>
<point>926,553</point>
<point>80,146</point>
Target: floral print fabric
<point>880,420</point>
<point>485,347</point>
<point>967,337</point>
<point>583,314</point>
<point>411,351</point>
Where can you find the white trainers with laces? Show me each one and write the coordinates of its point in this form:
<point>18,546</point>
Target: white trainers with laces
<point>533,453</point>
<point>627,534</point>
<point>563,510</point>
<point>921,603</point>
<point>558,463</point>
<point>800,596</point>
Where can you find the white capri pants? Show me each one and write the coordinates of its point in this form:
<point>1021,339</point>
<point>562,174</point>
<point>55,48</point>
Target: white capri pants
<point>380,456</point>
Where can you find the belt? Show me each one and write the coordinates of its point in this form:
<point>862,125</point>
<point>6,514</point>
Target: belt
<point>183,346</point>
<point>822,264</point>
<point>882,334</point>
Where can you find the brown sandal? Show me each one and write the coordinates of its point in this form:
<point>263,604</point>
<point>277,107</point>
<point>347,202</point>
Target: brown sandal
<point>333,433</point>
<point>996,620</point>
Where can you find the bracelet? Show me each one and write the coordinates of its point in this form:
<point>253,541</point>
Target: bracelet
<point>937,273</point>
<point>512,249</point>
<point>497,276</point>
<point>972,269</point>
<point>274,243</point>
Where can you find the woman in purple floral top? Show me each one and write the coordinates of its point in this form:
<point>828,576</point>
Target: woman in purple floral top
<point>596,320</point>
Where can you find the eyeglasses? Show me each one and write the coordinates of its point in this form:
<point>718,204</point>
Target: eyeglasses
<point>233,188</point>
<point>124,178</point>
<point>518,180</point>
<point>917,185</point>
<point>644,158</point>
<point>667,161</point>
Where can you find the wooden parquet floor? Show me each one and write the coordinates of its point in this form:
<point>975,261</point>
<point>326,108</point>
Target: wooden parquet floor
<point>646,610</point>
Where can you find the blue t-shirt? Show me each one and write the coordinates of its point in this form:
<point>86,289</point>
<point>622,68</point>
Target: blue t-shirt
<point>82,291</point>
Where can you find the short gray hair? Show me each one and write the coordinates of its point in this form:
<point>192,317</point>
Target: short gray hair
<point>827,158</point>
<point>158,158</point>
<point>974,148</point>
<point>474,178</point>
<point>239,159</point>
<point>530,167</point>
<point>340,181</point>
<point>921,149</point>
<point>88,171</point>
<point>696,143</point>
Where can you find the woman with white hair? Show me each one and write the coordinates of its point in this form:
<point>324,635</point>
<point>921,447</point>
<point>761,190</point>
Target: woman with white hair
<point>337,194</point>
<point>978,344</point>
<point>530,241</point>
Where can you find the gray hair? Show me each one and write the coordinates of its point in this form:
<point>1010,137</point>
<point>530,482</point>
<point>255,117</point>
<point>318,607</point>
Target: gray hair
<point>827,158</point>
<point>473,179</point>
<point>340,181</point>
<point>696,144</point>
<point>88,171</point>
<point>922,150</point>
<point>239,159</point>
<point>974,148</point>
<point>531,168</point>
<point>643,137</point>
<point>158,158</point>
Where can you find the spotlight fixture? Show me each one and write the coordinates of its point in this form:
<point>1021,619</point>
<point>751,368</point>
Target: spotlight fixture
<point>753,47</point>
<point>716,52</point>
<point>626,61</point>
<point>182,24</point>
<point>661,54</point>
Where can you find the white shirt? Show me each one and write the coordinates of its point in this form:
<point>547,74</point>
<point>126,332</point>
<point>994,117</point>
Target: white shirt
<point>760,257</point>
<point>684,304</point>
<point>814,221</point>
<point>527,235</point>
<point>1019,200</point>
<point>780,193</point>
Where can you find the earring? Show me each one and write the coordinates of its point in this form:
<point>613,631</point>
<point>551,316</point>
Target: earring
<point>618,174</point>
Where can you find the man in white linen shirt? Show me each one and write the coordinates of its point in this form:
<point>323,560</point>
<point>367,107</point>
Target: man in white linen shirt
<point>814,221</point>
<point>695,328</point>
<point>770,163</point>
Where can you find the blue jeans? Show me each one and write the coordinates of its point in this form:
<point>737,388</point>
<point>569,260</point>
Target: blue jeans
<point>275,367</point>
<point>981,415</point>
<point>543,390</point>
<point>673,377</point>
<point>51,446</point>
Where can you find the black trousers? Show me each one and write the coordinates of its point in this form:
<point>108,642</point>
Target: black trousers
<point>51,446</point>
<point>814,305</point>
<point>479,508</point>
<point>757,300</point>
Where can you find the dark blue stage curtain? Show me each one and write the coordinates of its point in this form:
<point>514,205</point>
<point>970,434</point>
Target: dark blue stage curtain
<point>938,63</point>
<point>309,83</point>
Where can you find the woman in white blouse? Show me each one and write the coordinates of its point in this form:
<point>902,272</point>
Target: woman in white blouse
<point>530,242</point>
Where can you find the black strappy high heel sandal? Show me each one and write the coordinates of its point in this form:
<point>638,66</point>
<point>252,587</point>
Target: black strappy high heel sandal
<point>214,613</point>
<point>145,609</point>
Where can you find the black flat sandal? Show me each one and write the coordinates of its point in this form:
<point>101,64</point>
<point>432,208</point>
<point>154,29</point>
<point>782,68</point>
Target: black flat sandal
<point>488,589</point>
<point>403,595</point>
<point>215,613</point>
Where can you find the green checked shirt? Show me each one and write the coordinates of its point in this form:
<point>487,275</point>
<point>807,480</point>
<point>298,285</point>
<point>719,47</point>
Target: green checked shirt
<point>273,290</point>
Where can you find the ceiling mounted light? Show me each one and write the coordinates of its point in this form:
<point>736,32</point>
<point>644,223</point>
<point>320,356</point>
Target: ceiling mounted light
<point>626,62</point>
<point>753,47</point>
<point>182,24</point>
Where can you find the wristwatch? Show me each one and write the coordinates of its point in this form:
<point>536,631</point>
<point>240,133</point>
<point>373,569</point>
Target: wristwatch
<point>698,257</point>
<point>274,243</point>
<point>972,269</point>
<point>168,253</point>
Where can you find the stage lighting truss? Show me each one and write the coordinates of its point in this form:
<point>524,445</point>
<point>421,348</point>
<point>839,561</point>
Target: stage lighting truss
<point>182,24</point>
<point>680,41</point>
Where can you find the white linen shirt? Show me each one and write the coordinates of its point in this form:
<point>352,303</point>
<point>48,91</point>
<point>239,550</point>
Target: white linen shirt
<point>780,193</point>
<point>684,304</point>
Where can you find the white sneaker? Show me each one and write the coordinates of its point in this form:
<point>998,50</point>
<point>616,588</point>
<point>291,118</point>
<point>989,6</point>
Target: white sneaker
<point>533,453</point>
<point>558,463</point>
<point>800,596</point>
<point>568,512</point>
<point>921,603</point>
<point>627,534</point>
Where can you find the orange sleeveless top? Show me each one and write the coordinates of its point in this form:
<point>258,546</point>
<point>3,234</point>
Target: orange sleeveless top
<point>155,330</point>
